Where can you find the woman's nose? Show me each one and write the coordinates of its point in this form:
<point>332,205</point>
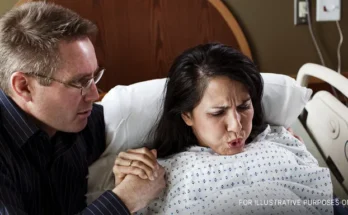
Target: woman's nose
<point>234,122</point>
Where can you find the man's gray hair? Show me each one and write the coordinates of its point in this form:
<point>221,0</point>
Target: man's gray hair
<point>30,37</point>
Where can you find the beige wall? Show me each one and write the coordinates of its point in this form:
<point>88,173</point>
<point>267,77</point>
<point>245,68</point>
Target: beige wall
<point>6,5</point>
<point>280,47</point>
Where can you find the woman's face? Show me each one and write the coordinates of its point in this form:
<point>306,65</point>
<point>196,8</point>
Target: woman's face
<point>223,118</point>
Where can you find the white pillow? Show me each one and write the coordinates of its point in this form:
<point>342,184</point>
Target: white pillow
<point>131,111</point>
<point>283,99</point>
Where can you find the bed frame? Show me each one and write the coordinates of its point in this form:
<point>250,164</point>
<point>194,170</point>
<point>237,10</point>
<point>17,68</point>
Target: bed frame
<point>326,121</point>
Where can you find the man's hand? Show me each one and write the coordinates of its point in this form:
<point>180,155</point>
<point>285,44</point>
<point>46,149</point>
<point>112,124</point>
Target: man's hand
<point>141,162</point>
<point>136,193</point>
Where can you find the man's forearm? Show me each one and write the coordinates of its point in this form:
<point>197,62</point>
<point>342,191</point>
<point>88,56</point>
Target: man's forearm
<point>107,203</point>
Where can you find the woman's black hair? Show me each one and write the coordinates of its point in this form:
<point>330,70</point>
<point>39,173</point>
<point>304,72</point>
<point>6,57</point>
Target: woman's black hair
<point>187,80</point>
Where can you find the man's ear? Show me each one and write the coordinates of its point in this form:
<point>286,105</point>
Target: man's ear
<point>187,117</point>
<point>20,86</point>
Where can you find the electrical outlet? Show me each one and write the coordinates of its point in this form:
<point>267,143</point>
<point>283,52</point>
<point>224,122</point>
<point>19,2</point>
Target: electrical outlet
<point>300,12</point>
<point>328,10</point>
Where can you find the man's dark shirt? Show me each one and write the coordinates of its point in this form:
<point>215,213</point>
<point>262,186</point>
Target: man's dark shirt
<point>42,175</point>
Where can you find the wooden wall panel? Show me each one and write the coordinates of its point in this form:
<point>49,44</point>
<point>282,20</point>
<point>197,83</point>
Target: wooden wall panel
<point>139,39</point>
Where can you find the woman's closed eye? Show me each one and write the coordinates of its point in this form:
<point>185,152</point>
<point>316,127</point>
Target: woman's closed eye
<point>243,107</point>
<point>218,113</point>
<point>246,105</point>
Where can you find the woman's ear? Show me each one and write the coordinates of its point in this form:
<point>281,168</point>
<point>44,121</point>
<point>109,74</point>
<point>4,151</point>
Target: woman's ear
<point>20,86</point>
<point>187,117</point>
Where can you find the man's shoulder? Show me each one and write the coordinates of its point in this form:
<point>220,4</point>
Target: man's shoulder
<point>97,109</point>
<point>3,132</point>
<point>4,144</point>
<point>94,133</point>
<point>1,116</point>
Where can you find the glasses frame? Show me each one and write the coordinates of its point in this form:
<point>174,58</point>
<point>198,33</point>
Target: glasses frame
<point>84,89</point>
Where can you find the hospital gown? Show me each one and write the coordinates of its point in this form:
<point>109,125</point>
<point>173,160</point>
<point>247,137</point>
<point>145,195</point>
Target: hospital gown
<point>275,174</point>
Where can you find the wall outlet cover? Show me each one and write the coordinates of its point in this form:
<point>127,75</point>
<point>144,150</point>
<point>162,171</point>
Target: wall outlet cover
<point>300,12</point>
<point>328,10</point>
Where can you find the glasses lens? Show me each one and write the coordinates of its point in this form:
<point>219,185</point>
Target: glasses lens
<point>95,79</point>
<point>98,76</point>
<point>85,89</point>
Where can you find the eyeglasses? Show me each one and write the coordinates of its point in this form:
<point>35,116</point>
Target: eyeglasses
<point>83,84</point>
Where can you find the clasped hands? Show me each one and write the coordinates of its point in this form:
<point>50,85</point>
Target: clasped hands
<point>138,177</point>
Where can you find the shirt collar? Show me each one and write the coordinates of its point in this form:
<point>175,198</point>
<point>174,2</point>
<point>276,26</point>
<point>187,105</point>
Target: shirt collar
<point>15,121</point>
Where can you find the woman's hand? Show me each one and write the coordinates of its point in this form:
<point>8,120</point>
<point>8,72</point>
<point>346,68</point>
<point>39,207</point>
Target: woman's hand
<point>293,134</point>
<point>141,162</point>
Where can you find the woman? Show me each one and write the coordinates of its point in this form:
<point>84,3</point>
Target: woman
<point>217,147</point>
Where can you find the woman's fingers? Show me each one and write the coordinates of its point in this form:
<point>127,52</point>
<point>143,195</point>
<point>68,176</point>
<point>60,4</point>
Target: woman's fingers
<point>296,136</point>
<point>150,153</point>
<point>148,171</point>
<point>141,162</point>
<point>121,172</point>
<point>129,171</point>
<point>122,162</point>
<point>143,155</point>
<point>299,138</point>
<point>133,167</point>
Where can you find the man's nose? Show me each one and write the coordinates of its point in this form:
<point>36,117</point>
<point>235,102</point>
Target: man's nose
<point>92,95</point>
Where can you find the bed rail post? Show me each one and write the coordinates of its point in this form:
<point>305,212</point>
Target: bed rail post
<point>335,79</point>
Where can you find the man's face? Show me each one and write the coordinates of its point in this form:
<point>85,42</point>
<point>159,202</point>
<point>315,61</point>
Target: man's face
<point>62,108</point>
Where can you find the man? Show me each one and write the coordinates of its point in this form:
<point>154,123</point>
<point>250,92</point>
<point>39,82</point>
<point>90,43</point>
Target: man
<point>50,130</point>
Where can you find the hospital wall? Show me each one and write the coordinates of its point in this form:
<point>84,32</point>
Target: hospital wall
<point>6,5</point>
<point>277,45</point>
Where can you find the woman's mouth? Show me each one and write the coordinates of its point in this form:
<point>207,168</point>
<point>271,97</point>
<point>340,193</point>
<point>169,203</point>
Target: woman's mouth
<point>237,143</point>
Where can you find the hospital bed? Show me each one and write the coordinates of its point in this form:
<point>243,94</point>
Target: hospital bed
<point>324,125</point>
<point>139,39</point>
